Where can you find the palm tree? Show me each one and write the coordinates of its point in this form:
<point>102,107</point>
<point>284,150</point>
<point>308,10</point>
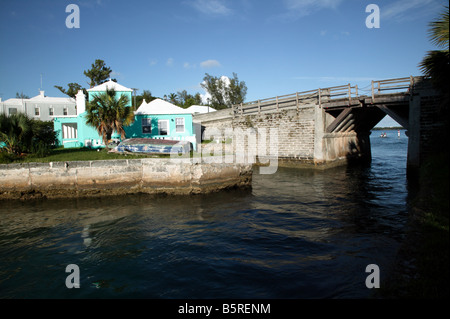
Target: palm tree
<point>436,63</point>
<point>109,114</point>
<point>173,98</point>
<point>16,133</point>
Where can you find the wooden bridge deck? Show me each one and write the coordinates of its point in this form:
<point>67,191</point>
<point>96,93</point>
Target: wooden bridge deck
<point>391,91</point>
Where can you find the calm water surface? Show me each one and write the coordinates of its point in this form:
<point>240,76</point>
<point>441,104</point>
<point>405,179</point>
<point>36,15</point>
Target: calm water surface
<point>295,234</point>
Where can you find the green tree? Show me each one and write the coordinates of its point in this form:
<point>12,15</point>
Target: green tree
<point>108,114</point>
<point>237,90</point>
<point>21,96</point>
<point>15,133</point>
<point>224,91</point>
<point>173,98</point>
<point>215,87</point>
<point>20,134</point>
<point>147,96</point>
<point>193,100</point>
<point>72,90</point>
<point>98,73</point>
<point>44,137</point>
<point>186,100</point>
<point>436,63</point>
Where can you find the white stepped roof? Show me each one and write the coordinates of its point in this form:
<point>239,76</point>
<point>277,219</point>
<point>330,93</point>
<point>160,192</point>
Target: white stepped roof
<point>159,106</point>
<point>110,85</point>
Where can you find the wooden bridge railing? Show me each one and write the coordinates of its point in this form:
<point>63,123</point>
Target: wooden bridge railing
<point>321,96</point>
<point>399,85</point>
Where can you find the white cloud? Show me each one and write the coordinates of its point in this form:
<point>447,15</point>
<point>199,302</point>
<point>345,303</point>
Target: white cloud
<point>188,65</point>
<point>301,8</point>
<point>214,7</point>
<point>210,64</point>
<point>169,62</point>
<point>153,62</point>
<point>407,9</point>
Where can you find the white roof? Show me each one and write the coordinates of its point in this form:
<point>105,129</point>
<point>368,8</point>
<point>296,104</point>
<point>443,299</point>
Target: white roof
<point>200,109</point>
<point>159,106</point>
<point>47,99</point>
<point>110,85</point>
<point>14,101</point>
<point>41,99</point>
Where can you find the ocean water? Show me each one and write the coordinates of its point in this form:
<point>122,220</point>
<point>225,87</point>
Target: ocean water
<point>296,234</point>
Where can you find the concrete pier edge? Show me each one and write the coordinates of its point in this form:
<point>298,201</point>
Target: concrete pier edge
<point>119,177</point>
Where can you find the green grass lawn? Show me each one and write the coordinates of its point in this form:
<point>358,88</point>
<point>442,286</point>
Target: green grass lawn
<point>79,154</point>
<point>85,154</point>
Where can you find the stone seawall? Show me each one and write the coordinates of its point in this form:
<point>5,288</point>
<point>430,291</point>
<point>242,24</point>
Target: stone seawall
<point>114,177</point>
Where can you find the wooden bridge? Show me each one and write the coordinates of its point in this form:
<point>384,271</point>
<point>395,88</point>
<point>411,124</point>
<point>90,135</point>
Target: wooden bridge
<point>333,125</point>
<point>352,111</point>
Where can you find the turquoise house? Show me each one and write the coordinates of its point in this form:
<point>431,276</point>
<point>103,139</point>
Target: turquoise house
<point>72,131</point>
<point>160,119</point>
<point>155,120</point>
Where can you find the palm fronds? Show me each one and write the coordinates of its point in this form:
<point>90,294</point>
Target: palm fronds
<point>109,113</point>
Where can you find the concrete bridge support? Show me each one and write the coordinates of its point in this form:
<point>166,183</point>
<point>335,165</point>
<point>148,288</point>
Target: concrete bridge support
<point>426,126</point>
<point>337,143</point>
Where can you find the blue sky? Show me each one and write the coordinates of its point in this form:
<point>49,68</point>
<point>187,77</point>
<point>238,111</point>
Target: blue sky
<point>276,47</point>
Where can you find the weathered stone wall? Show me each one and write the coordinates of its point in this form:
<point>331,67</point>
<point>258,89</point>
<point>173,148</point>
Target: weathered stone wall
<point>95,178</point>
<point>426,131</point>
<point>295,132</point>
<point>289,133</point>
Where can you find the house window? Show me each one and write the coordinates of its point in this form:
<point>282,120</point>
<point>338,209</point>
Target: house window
<point>36,111</point>
<point>70,130</point>
<point>147,126</point>
<point>65,111</point>
<point>50,111</point>
<point>12,110</point>
<point>179,124</point>
<point>163,127</point>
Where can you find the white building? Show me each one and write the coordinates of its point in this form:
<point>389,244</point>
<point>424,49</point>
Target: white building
<point>195,109</point>
<point>40,107</point>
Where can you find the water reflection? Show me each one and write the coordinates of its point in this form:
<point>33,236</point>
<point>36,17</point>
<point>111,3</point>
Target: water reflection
<point>295,234</point>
